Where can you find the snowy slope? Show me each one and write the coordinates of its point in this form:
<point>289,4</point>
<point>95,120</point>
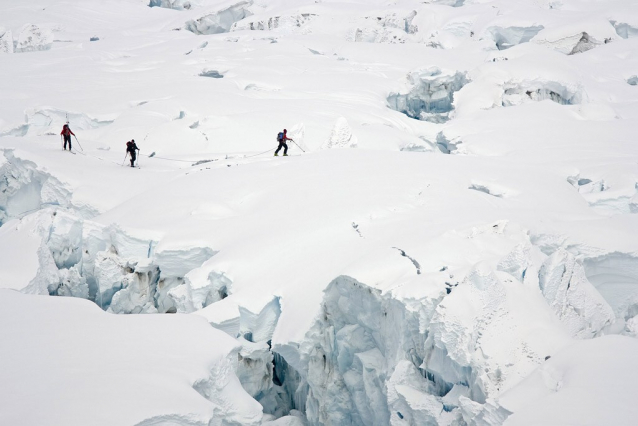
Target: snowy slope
<point>82,366</point>
<point>464,205</point>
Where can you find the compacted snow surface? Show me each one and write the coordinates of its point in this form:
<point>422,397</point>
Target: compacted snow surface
<point>450,241</point>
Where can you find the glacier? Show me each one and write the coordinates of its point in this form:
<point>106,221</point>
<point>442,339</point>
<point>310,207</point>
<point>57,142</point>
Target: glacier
<point>450,240</point>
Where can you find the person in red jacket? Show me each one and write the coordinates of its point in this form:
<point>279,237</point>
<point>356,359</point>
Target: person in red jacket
<point>282,138</point>
<point>66,133</point>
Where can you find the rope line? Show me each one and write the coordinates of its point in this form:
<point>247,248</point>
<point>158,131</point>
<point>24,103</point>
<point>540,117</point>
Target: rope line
<point>250,156</point>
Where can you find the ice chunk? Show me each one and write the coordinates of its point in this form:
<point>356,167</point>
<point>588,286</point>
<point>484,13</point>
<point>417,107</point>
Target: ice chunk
<point>528,91</point>
<point>6,41</point>
<point>615,276</point>
<point>197,292</point>
<point>585,43</point>
<point>571,41</point>
<point>445,145</point>
<point>259,327</point>
<point>572,297</point>
<point>391,28</point>
<point>220,21</point>
<point>254,368</point>
<point>211,74</point>
<point>431,97</point>
<point>506,37</point>
<point>348,354</point>
<point>517,262</point>
<point>139,289</point>
<point>65,239</point>
<point>177,263</point>
<point>72,284</point>
<point>47,279</point>
<point>26,189</point>
<point>32,38</point>
<point>173,4</point>
<point>625,30</point>
<point>289,22</point>
<point>488,414</point>
<point>341,136</point>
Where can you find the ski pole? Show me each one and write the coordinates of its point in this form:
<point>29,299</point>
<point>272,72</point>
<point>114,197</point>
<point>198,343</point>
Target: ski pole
<point>293,141</point>
<point>62,141</point>
<point>125,155</point>
<point>138,157</point>
<point>76,139</point>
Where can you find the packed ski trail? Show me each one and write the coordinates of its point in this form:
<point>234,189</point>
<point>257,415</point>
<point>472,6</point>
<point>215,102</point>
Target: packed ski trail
<point>450,239</point>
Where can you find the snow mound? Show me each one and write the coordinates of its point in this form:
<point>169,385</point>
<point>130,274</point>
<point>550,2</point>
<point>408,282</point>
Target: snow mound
<point>183,374</point>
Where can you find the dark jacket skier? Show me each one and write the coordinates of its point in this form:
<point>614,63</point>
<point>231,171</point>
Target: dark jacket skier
<point>282,138</point>
<point>66,133</point>
<point>132,149</point>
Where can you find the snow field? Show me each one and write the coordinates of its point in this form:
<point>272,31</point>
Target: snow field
<point>459,231</point>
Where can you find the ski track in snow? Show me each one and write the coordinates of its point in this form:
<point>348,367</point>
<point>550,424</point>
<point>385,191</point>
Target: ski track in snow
<point>490,144</point>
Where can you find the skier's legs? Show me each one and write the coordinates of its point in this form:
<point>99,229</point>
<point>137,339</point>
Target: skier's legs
<point>133,157</point>
<point>67,138</point>
<point>279,147</point>
<point>285,148</point>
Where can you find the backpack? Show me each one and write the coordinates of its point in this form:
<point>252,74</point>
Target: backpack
<point>280,137</point>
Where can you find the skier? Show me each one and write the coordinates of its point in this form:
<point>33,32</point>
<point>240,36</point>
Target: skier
<point>131,148</point>
<point>282,138</point>
<point>66,133</point>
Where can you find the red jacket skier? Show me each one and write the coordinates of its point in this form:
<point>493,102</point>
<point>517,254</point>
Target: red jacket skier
<point>282,138</point>
<point>66,133</point>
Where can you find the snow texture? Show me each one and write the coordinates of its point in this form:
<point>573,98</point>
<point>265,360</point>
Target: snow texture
<point>472,262</point>
<point>112,359</point>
